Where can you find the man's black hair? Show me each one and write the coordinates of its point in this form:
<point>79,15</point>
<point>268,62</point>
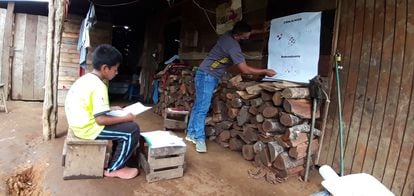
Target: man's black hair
<point>241,27</point>
<point>106,54</point>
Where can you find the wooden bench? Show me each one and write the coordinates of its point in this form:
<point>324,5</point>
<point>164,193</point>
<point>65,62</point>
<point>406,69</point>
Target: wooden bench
<point>83,159</point>
<point>163,162</point>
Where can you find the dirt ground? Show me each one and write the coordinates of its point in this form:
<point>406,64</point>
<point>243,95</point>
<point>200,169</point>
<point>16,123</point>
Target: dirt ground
<point>218,172</point>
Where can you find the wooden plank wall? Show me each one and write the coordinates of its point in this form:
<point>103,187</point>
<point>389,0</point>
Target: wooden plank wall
<point>29,57</point>
<point>2,26</point>
<point>69,55</point>
<point>376,39</point>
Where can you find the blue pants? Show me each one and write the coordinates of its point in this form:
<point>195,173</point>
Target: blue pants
<point>204,86</point>
<point>125,137</point>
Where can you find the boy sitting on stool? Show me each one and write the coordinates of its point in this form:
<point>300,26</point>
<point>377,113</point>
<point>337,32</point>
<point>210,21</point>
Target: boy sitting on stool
<point>86,106</point>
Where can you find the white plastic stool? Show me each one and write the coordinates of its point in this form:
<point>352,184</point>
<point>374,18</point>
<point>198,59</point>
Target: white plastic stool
<point>3,97</point>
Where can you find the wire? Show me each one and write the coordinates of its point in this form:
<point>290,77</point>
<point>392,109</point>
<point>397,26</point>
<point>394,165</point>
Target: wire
<point>209,21</point>
<point>206,10</point>
<point>114,5</point>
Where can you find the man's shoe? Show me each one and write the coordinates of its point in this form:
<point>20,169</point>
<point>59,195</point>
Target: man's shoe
<point>201,146</point>
<point>123,173</point>
<point>190,138</point>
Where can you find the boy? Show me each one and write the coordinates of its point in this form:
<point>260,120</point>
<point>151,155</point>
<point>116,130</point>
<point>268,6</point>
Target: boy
<point>86,107</point>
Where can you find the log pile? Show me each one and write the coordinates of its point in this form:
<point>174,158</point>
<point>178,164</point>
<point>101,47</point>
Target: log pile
<point>176,91</point>
<point>267,122</point>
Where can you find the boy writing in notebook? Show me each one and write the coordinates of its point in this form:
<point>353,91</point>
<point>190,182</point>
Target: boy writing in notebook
<point>86,108</point>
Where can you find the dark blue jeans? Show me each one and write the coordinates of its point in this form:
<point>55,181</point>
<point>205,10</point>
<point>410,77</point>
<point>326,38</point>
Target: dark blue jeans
<point>204,85</point>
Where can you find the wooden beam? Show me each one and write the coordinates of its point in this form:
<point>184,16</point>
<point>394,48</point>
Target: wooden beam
<point>7,48</point>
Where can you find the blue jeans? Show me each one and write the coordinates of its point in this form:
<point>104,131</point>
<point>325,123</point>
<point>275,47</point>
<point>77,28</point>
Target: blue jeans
<point>204,86</point>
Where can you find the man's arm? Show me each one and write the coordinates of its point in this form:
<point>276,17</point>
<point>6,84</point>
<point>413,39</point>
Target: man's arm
<point>110,120</point>
<point>244,68</point>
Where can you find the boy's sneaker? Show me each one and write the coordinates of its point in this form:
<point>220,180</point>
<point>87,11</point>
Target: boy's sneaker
<point>190,138</point>
<point>201,146</point>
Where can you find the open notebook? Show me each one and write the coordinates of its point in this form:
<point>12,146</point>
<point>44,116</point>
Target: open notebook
<point>135,109</point>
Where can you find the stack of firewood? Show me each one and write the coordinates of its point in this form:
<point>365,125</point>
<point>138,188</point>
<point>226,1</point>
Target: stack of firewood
<point>176,91</point>
<point>268,122</point>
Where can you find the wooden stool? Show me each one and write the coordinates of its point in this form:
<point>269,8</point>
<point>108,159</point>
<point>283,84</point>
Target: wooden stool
<point>83,159</point>
<point>164,162</point>
<point>175,118</point>
<point>3,97</point>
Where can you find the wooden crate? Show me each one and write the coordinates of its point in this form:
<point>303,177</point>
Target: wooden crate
<point>163,163</point>
<point>175,119</point>
<point>83,159</point>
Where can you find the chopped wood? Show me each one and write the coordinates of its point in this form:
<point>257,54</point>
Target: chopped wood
<point>217,118</point>
<point>250,134</point>
<point>210,131</point>
<point>224,136</point>
<point>284,161</point>
<point>286,84</point>
<point>246,96</point>
<point>301,150</point>
<point>259,118</point>
<point>243,116</point>
<point>274,150</point>
<point>232,112</point>
<point>253,110</point>
<point>225,125</point>
<point>272,125</point>
<point>248,152</point>
<point>237,127</point>
<point>263,106</point>
<point>256,102</point>
<point>268,86</point>
<point>236,80</point>
<point>290,171</point>
<point>266,96</point>
<point>254,90</point>
<point>296,93</point>
<point>258,146</point>
<point>235,144</point>
<point>300,107</point>
<point>235,133</point>
<point>236,103</point>
<point>270,112</point>
<point>280,141</point>
<point>243,85</point>
<point>289,119</point>
<point>304,127</point>
<point>299,139</point>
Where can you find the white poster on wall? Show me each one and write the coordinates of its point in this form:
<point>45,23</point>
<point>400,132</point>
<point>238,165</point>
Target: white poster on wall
<point>294,47</point>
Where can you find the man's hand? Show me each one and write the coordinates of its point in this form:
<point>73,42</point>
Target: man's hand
<point>270,72</point>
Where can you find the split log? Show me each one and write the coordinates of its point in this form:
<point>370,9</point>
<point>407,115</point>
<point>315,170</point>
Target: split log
<point>218,106</point>
<point>296,93</point>
<point>258,146</point>
<point>299,138</point>
<point>232,112</point>
<point>300,107</point>
<point>289,119</point>
<point>236,103</point>
<point>266,96</point>
<point>243,116</point>
<point>268,86</point>
<point>274,150</point>
<point>210,131</point>
<point>259,118</point>
<point>230,96</point>
<point>304,127</point>
<point>225,125</point>
<point>224,136</point>
<point>256,102</point>
<point>247,152</point>
<point>246,96</point>
<point>280,141</point>
<point>290,172</point>
<point>253,110</point>
<point>283,161</point>
<point>235,133</point>
<point>235,144</point>
<point>237,127</point>
<point>254,89</point>
<point>236,80</point>
<point>270,112</point>
<point>300,151</point>
<point>264,106</point>
<point>286,84</point>
<point>217,118</point>
<point>277,98</point>
<point>243,85</point>
<point>265,157</point>
<point>250,134</point>
<point>272,125</point>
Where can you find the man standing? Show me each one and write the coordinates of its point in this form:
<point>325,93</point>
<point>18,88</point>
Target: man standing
<point>225,53</point>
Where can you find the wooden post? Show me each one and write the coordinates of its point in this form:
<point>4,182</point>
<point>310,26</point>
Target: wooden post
<point>54,36</point>
<point>7,49</point>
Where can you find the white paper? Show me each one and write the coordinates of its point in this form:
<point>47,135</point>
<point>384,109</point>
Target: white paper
<point>135,109</point>
<point>159,139</point>
<point>294,47</point>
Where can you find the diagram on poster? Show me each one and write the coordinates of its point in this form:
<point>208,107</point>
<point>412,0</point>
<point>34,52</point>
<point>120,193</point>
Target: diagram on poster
<point>294,47</point>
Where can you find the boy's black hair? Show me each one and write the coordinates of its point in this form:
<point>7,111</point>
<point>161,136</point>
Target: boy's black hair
<point>106,54</point>
<point>241,27</point>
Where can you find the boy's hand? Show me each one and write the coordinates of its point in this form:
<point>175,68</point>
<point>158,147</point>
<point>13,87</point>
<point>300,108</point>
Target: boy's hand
<point>130,117</point>
<point>116,108</point>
